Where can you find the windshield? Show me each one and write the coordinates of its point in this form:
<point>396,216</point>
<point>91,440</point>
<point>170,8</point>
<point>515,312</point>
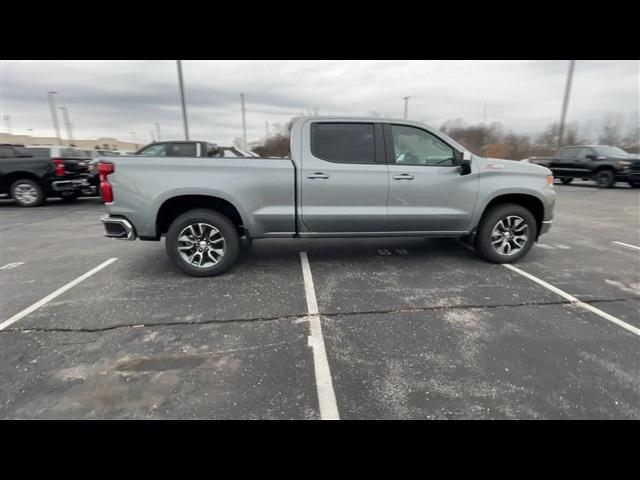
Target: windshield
<point>611,152</point>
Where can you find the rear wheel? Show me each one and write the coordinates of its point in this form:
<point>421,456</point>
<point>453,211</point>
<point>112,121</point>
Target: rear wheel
<point>506,233</point>
<point>605,179</point>
<point>566,181</point>
<point>202,243</point>
<point>27,193</point>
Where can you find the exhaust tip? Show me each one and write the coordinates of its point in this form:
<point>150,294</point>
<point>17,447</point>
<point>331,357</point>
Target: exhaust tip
<point>118,228</point>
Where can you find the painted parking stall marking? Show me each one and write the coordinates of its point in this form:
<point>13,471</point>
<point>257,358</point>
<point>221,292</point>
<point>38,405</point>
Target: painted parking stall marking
<point>574,300</point>
<point>324,384</point>
<point>51,296</point>
<point>626,245</point>
<point>9,266</point>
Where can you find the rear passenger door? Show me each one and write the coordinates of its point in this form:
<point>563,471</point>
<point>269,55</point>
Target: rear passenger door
<point>564,165</point>
<point>344,178</point>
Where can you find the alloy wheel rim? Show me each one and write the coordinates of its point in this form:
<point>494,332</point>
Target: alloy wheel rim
<point>201,245</point>
<point>510,235</point>
<point>25,193</point>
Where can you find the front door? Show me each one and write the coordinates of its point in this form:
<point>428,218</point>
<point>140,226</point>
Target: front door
<point>344,179</point>
<point>426,191</point>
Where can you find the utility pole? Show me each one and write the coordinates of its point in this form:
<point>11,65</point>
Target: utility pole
<point>184,105</point>
<point>406,107</point>
<point>565,103</point>
<point>67,124</point>
<point>54,114</point>
<point>158,131</point>
<point>244,123</point>
<point>7,122</point>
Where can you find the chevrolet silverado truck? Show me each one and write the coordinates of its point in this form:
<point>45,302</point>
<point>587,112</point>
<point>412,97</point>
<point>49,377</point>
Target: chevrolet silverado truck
<point>604,164</point>
<point>346,177</point>
<point>32,174</point>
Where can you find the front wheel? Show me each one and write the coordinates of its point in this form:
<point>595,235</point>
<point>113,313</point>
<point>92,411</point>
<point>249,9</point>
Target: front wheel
<point>203,243</point>
<point>506,233</point>
<point>605,179</point>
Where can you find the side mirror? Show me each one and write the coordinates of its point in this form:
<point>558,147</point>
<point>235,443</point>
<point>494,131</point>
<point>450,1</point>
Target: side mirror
<point>465,164</point>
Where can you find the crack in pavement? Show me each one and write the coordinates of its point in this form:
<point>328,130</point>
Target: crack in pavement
<point>298,316</point>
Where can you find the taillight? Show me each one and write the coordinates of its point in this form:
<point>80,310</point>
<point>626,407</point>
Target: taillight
<point>104,170</point>
<point>58,164</point>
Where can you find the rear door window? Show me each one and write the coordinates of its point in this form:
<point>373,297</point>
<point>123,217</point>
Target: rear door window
<point>343,142</point>
<point>182,150</point>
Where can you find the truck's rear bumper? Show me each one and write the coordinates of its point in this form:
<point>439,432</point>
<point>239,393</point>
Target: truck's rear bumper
<point>66,185</point>
<point>118,227</point>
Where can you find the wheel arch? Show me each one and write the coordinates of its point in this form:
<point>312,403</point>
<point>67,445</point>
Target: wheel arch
<point>531,202</point>
<point>172,207</point>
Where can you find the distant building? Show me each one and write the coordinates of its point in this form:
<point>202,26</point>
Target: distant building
<point>105,143</point>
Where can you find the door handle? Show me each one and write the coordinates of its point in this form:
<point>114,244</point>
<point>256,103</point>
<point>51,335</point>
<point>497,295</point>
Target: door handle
<point>317,175</point>
<point>403,176</point>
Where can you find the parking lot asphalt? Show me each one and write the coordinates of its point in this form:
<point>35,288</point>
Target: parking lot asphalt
<point>413,328</point>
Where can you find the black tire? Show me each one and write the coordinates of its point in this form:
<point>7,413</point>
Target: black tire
<point>226,230</point>
<point>634,184</point>
<point>566,181</point>
<point>17,192</point>
<point>605,179</point>
<point>489,221</point>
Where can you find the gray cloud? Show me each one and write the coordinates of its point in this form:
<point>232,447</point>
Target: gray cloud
<point>114,98</point>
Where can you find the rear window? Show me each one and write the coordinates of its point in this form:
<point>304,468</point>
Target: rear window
<point>182,150</point>
<point>343,142</point>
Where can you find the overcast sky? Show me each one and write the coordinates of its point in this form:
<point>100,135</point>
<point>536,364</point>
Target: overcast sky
<point>111,99</point>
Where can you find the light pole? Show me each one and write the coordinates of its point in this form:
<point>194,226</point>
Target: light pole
<point>406,107</point>
<point>54,114</point>
<point>158,131</point>
<point>244,123</point>
<point>565,102</point>
<point>67,123</point>
<point>182,101</point>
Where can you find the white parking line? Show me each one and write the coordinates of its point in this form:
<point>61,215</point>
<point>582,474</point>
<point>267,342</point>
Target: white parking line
<point>545,246</point>
<point>562,247</point>
<point>9,266</point>
<point>574,300</point>
<point>324,384</point>
<point>627,245</point>
<point>48,298</point>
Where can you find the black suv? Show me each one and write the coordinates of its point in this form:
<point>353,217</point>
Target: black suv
<point>602,163</point>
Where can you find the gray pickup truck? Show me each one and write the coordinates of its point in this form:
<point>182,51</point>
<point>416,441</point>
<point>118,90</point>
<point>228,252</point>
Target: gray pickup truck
<point>347,177</point>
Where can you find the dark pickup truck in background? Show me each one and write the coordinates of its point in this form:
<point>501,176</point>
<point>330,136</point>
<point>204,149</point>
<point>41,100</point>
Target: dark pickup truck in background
<point>31,175</point>
<point>602,163</point>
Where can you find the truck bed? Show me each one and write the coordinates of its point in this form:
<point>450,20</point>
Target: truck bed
<point>263,189</point>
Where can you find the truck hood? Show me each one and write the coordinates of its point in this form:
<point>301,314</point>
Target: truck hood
<point>500,164</point>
